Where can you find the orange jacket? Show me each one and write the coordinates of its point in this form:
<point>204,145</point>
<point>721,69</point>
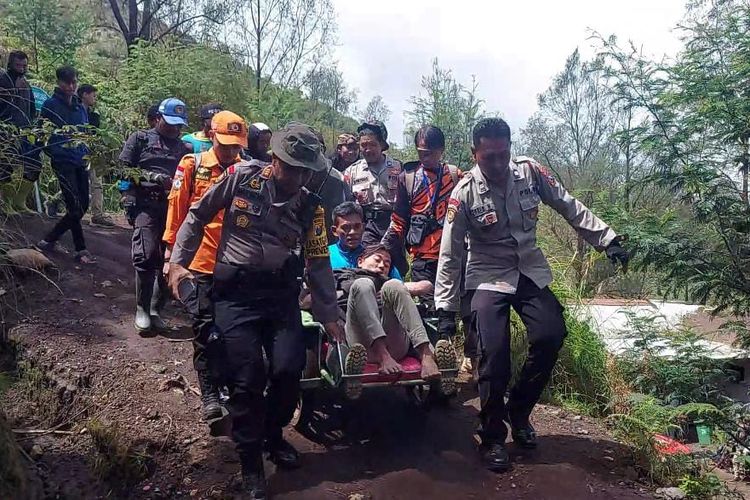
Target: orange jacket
<point>188,187</point>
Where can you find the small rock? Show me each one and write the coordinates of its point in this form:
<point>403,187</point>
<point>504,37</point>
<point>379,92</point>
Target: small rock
<point>100,296</point>
<point>36,452</point>
<point>152,414</point>
<point>672,493</point>
<point>607,457</point>
<point>106,284</point>
<point>83,431</point>
<point>512,485</point>
<point>582,431</point>
<point>576,417</point>
<point>356,496</point>
<point>147,487</point>
<point>193,493</point>
<point>159,369</point>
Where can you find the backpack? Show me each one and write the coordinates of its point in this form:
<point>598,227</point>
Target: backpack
<point>410,176</point>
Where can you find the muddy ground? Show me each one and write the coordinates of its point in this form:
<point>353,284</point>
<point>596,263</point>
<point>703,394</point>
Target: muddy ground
<point>77,330</point>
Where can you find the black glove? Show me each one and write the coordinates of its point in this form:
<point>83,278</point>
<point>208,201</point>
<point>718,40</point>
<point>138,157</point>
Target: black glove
<point>446,324</point>
<point>616,253</point>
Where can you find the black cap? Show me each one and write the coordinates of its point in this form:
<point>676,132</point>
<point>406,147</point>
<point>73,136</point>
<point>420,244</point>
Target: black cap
<point>377,128</point>
<point>209,110</point>
<point>153,112</point>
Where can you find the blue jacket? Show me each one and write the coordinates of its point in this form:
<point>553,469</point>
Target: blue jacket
<point>342,258</point>
<point>60,113</point>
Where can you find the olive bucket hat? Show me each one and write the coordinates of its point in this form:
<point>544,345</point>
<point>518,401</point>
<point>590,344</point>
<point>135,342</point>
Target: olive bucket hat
<point>298,145</point>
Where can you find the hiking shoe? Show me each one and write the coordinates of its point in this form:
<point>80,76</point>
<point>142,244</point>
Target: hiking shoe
<point>158,324</point>
<point>102,220</point>
<point>209,397</point>
<point>354,364</point>
<point>283,454</point>
<point>50,247</point>
<point>494,457</point>
<point>50,208</point>
<point>524,436</point>
<point>445,356</point>
<point>84,257</point>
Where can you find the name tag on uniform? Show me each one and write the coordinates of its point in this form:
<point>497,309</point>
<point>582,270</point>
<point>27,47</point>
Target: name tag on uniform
<point>480,210</point>
<point>203,174</point>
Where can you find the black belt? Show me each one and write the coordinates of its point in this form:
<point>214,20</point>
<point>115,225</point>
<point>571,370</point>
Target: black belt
<point>245,279</point>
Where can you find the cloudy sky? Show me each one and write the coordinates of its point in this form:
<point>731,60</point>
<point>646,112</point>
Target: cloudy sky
<point>513,47</point>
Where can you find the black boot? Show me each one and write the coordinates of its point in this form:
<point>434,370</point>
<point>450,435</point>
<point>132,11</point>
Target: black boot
<point>253,476</point>
<point>523,435</point>
<point>282,453</point>
<point>143,292</point>
<point>158,299</point>
<point>209,396</point>
<point>494,457</point>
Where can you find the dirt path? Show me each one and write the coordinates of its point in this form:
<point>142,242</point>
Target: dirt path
<point>83,338</point>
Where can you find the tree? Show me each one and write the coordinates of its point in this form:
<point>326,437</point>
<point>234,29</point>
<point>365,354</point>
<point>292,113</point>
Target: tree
<point>328,92</point>
<point>156,19</point>
<point>449,105</point>
<point>376,109</point>
<point>50,32</point>
<point>697,133</point>
<point>279,40</point>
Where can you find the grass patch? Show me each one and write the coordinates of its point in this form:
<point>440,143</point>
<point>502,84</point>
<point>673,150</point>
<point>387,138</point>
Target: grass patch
<point>116,460</point>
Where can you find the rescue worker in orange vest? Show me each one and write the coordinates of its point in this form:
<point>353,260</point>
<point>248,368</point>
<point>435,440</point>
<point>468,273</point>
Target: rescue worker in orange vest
<point>195,174</point>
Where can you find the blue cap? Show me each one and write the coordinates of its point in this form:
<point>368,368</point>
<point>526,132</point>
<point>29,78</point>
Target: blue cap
<point>173,111</point>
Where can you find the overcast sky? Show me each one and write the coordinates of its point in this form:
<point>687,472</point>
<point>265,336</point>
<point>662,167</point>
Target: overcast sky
<point>513,47</point>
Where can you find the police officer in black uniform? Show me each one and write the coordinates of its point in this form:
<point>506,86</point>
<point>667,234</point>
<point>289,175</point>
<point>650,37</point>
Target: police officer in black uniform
<point>155,153</point>
<point>272,225</point>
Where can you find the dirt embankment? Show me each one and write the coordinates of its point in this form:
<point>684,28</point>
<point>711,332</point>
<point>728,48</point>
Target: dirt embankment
<point>111,414</point>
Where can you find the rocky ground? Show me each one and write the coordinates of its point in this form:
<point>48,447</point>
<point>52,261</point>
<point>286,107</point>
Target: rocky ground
<point>102,412</point>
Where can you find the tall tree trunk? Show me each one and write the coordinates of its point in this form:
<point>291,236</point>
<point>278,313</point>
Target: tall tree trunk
<point>257,52</point>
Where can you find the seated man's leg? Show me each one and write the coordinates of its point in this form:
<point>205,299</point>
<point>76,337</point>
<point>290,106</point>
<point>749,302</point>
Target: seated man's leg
<point>363,325</point>
<point>403,327</point>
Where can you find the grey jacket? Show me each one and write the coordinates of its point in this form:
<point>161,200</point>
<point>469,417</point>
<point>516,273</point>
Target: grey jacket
<point>499,225</point>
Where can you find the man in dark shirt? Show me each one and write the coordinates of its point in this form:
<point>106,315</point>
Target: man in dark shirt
<point>68,154</point>
<point>17,112</point>
<point>155,154</point>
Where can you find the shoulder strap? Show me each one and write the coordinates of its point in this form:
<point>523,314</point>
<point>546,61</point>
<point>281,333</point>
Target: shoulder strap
<point>197,161</point>
<point>410,178</point>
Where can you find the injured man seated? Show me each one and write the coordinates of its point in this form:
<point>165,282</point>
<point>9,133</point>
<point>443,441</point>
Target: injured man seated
<point>381,316</point>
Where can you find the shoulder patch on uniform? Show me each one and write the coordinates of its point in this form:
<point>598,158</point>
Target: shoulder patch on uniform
<point>266,172</point>
<point>546,174</point>
<point>316,244</point>
<point>523,159</point>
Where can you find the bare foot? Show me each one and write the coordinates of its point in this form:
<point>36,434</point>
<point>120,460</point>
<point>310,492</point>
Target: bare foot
<point>388,366</point>
<point>430,368</point>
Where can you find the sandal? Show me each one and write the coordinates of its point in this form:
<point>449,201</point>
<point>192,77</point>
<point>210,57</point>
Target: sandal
<point>85,257</point>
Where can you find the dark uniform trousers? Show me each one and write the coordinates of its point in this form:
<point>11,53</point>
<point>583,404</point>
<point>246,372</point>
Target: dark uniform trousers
<point>202,310</point>
<point>258,312</point>
<point>149,221</point>
<point>541,313</point>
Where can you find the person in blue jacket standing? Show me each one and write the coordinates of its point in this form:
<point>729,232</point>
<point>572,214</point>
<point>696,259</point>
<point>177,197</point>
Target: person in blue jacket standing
<point>68,157</point>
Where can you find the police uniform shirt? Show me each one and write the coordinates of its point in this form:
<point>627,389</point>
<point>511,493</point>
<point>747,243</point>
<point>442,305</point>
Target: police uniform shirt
<point>374,186</point>
<point>149,150</point>
<point>500,226</point>
<point>259,233</point>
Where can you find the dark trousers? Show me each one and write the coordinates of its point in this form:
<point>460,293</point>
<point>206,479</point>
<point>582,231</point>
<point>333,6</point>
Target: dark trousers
<point>203,321</point>
<point>471,347</point>
<point>250,321</point>
<point>541,312</point>
<point>149,220</point>
<point>74,184</point>
<point>373,235</point>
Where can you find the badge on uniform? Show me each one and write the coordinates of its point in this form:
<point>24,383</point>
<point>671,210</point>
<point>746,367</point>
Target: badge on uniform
<point>242,221</point>
<point>203,174</point>
<point>488,218</point>
<point>316,244</point>
<point>266,172</point>
<point>547,175</point>
<point>255,183</point>
<point>240,203</point>
<point>177,183</point>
